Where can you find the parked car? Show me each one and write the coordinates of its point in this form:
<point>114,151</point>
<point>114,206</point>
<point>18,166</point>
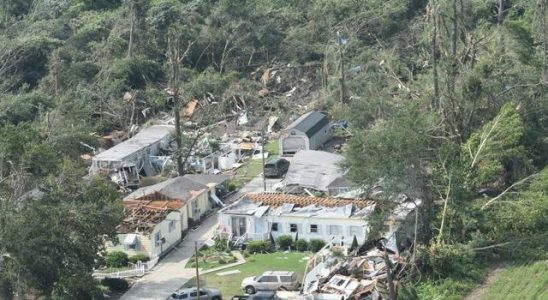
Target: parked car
<point>276,167</point>
<point>270,281</point>
<point>192,294</point>
<point>258,296</point>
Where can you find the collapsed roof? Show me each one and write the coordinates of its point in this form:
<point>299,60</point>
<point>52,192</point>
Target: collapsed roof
<point>143,216</point>
<point>283,204</point>
<point>314,169</point>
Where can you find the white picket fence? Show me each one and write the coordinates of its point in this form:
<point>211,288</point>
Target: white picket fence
<point>139,270</point>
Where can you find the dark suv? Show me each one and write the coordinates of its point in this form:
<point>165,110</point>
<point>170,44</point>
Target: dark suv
<point>276,167</point>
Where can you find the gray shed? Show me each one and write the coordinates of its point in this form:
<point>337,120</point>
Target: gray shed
<point>309,132</point>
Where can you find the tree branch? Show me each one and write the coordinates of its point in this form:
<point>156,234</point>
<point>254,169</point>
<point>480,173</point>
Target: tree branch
<point>508,189</point>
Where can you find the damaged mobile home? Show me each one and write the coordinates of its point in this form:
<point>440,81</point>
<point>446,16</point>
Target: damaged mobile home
<point>268,215</point>
<point>124,162</point>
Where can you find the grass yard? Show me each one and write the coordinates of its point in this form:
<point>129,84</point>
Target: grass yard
<point>521,282</point>
<point>254,167</point>
<point>255,265</point>
<point>211,258</point>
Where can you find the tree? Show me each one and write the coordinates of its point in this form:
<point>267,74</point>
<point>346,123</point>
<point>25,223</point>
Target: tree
<point>54,238</point>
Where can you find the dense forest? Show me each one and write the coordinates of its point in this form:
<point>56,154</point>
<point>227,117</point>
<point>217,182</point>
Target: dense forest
<point>445,99</point>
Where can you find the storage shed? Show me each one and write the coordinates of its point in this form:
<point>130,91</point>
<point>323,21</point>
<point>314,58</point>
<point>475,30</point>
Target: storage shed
<point>309,132</point>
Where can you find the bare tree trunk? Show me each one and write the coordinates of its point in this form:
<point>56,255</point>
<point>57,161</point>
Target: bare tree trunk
<point>454,30</point>
<point>436,100</point>
<point>173,44</point>
<point>131,15</point>
<point>499,26</point>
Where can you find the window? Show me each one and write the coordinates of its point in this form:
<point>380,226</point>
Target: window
<point>355,231</point>
<point>335,229</point>
<point>274,227</point>
<point>286,278</point>
<point>183,296</point>
<point>293,228</point>
<point>193,294</point>
<point>268,279</point>
<point>158,237</point>
<point>171,225</point>
<point>313,228</point>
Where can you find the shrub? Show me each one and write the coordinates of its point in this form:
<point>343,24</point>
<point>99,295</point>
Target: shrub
<point>316,245</point>
<point>221,245</point>
<point>258,247</point>
<point>222,261</point>
<point>115,284</point>
<point>246,254</point>
<point>204,247</point>
<point>284,242</point>
<point>301,245</point>
<point>138,257</point>
<point>116,259</point>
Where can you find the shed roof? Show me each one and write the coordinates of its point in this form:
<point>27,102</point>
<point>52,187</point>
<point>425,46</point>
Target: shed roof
<point>141,140</point>
<point>178,188</point>
<point>309,123</point>
<point>314,169</point>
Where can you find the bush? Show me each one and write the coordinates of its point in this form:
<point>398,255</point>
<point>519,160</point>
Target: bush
<point>301,245</point>
<point>116,259</point>
<point>221,245</point>
<point>284,242</point>
<point>259,247</point>
<point>204,247</point>
<point>115,284</point>
<point>316,245</point>
<point>222,261</point>
<point>138,257</point>
<point>246,254</point>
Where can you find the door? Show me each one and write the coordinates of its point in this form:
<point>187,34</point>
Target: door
<point>238,226</point>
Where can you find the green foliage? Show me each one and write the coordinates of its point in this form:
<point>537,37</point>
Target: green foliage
<point>221,245</point>
<point>138,257</point>
<point>316,244</point>
<point>284,242</point>
<point>116,259</point>
<point>301,245</point>
<point>449,288</point>
<point>259,247</point>
<point>451,261</point>
<point>115,284</point>
<point>497,143</point>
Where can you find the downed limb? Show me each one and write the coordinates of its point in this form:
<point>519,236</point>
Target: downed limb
<point>508,189</point>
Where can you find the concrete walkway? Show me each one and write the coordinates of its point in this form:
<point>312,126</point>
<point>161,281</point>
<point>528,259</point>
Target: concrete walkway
<point>170,273</point>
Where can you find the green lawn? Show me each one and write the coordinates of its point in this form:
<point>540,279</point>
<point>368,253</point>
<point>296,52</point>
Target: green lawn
<point>210,259</point>
<point>255,265</point>
<point>252,168</point>
<point>521,282</point>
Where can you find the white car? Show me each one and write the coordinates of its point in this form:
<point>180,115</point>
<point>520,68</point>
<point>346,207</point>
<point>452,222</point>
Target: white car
<point>270,281</point>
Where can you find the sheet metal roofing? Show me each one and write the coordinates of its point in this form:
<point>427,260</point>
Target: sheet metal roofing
<point>141,140</point>
<point>309,123</point>
<point>178,188</point>
<point>314,169</point>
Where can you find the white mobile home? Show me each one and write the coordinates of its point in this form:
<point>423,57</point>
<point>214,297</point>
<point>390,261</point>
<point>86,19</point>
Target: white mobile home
<point>134,152</point>
<point>259,216</point>
<point>309,132</point>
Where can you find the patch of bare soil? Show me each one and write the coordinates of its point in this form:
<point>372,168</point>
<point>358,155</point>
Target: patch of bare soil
<point>478,292</point>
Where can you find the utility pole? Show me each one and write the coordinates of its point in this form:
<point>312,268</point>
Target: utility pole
<point>262,153</point>
<point>341,61</point>
<point>197,270</point>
